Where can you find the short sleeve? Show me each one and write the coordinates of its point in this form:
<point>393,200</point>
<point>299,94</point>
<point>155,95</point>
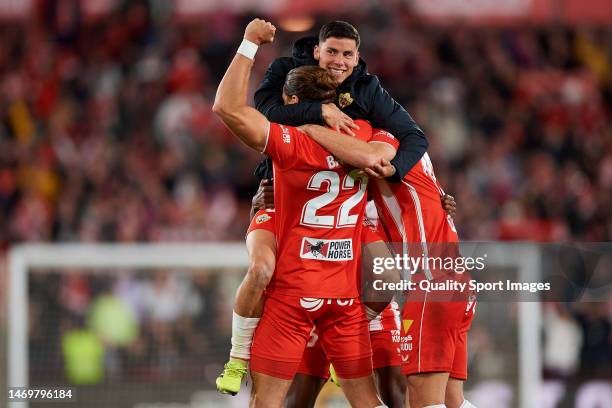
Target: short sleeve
<point>382,136</point>
<point>288,147</point>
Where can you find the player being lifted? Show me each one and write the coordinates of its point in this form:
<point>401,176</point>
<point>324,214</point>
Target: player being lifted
<point>360,95</point>
<point>321,201</point>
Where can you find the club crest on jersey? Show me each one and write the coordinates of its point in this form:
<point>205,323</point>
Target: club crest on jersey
<point>327,249</point>
<point>344,100</point>
<point>262,218</point>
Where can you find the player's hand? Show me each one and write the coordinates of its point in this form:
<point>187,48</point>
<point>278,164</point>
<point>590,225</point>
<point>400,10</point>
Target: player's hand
<point>380,170</point>
<point>259,32</point>
<point>264,197</point>
<point>449,204</point>
<point>338,120</point>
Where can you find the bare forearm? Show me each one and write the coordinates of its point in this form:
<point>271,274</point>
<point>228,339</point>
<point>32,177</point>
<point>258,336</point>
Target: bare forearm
<point>232,91</point>
<point>230,105</point>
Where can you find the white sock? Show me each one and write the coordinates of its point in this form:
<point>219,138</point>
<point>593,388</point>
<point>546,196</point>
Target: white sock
<point>436,406</point>
<point>370,314</point>
<point>381,406</point>
<point>467,404</point>
<point>242,335</point>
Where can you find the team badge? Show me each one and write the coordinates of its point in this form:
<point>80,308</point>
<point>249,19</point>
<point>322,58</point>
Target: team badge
<point>344,100</point>
<point>262,218</point>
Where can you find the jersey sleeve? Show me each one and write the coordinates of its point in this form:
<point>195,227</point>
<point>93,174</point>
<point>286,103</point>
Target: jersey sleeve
<point>288,147</point>
<point>382,136</point>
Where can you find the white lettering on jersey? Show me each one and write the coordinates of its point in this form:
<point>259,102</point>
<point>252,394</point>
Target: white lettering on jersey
<point>332,162</point>
<point>286,134</point>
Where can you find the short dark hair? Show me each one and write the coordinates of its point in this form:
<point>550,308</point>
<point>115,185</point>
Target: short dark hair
<point>310,83</point>
<point>339,29</point>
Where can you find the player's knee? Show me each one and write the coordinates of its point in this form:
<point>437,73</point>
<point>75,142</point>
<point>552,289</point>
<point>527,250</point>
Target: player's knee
<point>261,271</point>
<point>414,382</point>
<point>453,399</point>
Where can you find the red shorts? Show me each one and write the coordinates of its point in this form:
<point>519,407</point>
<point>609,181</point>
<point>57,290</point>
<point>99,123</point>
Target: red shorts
<point>434,336</point>
<point>384,337</point>
<point>263,219</point>
<point>285,328</point>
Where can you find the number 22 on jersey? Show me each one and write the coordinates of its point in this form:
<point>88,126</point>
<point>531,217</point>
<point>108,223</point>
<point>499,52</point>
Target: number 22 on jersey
<point>313,212</point>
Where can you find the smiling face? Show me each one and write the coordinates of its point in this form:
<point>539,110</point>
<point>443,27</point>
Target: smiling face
<point>339,56</point>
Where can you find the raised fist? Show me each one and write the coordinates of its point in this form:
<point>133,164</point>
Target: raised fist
<point>259,32</point>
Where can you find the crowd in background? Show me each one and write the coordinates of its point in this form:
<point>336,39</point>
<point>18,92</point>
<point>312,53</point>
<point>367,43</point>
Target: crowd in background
<point>107,134</point>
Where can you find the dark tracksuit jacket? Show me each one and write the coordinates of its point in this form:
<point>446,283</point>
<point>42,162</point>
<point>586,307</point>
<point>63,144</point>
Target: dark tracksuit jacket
<point>368,100</point>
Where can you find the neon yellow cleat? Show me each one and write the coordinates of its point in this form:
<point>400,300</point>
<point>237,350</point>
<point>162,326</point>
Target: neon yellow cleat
<point>333,377</point>
<point>230,379</point>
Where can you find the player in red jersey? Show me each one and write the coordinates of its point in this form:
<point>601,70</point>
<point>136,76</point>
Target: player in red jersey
<point>314,280</point>
<point>384,328</point>
<point>435,356</point>
<point>314,369</point>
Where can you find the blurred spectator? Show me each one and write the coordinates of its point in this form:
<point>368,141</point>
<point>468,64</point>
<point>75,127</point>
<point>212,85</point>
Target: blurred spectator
<point>117,142</point>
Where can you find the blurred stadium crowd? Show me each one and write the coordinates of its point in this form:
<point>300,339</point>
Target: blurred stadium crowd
<point>107,134</point>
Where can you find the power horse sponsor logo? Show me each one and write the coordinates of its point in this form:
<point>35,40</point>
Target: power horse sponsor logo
<point>327,249</point>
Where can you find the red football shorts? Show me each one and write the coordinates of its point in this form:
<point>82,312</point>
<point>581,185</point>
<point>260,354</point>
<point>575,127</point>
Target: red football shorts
<point>434,336</point>
<point>384,338</point>
<point>314,361</point>
<point>263,219</point>
<point>285,328</point>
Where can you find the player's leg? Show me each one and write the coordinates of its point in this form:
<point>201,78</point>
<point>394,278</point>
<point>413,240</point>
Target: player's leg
<point>268,391</point>
<point>426,389</point>
<point>386,360</point>
<point>278,347</point>
<point>432,331</point>
<point>261,246</point>
<point>391,384</point>
<point>454,389</point>
<point>345,338</point>
<point>312,374</point>
<point>454,393</point>
<point>304,391</point>
<point>360,392</point>
<point>248,304</point>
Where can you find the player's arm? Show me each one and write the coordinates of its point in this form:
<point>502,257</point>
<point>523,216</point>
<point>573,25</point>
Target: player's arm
<point>387,114</point>
<point>372,253</point>
<point>349,149</point>
<point>230,101</point>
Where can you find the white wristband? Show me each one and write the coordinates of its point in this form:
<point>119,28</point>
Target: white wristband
<point>248,49</point>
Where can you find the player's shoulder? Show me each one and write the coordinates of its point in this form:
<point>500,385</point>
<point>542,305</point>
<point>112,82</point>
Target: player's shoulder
<point>289,133</point>
<point>367,88</point>
<point>368,81</point>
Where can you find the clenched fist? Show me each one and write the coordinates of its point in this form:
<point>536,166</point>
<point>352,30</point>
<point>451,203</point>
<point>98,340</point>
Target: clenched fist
<point>259,32</point>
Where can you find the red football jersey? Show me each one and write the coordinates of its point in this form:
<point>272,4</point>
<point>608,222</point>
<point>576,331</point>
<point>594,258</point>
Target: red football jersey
<point>411,211</point>
<point>318,228</point>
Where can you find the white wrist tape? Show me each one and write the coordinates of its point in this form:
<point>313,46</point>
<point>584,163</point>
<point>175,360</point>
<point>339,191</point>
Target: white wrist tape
<point>248,49</point>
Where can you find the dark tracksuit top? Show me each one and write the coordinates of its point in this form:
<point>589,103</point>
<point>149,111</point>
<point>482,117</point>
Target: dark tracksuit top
<point>368,100</point>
